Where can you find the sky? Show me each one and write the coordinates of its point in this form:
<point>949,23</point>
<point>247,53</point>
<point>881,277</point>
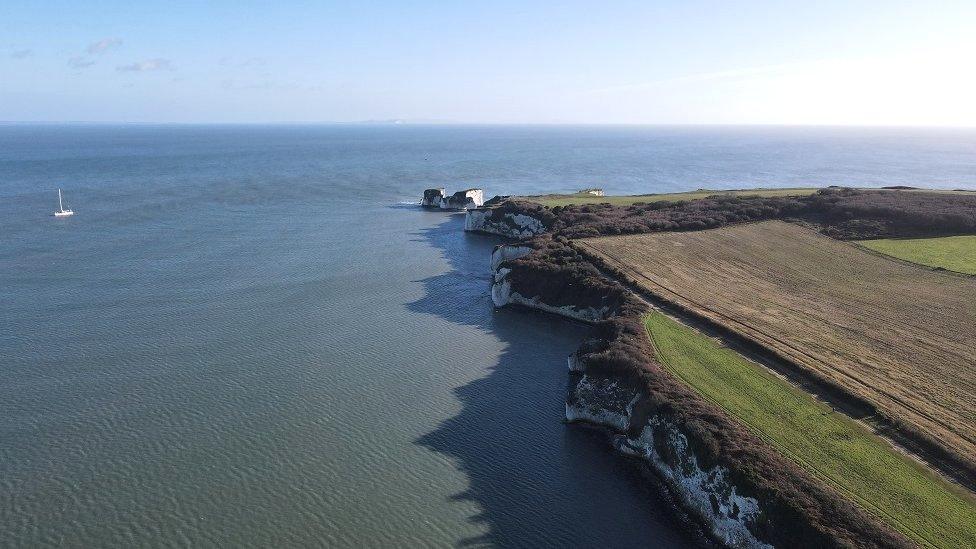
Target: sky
<point>829,62</point>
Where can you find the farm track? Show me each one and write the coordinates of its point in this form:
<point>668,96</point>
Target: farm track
<point>894,335</point>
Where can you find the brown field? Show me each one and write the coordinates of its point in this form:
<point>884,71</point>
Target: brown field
<point>899,336</point>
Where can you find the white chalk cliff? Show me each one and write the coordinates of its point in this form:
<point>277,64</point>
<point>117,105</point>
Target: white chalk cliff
<point>503,295</point>
<point>511,225</point>
<point>507,252</point>
<point>604,401</point>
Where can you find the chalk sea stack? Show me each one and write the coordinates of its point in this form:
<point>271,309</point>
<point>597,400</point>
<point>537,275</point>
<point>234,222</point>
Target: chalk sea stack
<point>433,197</point>
<point>461,200</point>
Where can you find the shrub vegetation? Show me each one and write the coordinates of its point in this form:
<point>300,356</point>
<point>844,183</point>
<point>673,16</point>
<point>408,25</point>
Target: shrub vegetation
<point>845,214</point>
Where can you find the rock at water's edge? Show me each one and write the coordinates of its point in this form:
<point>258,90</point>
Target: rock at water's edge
<point>507,252</point>
<point>602,400</point>
<point>433,198</point>
<point>512,225</point>
<point>502,292</point>
<point>464,200</point>
<point>461,200</point>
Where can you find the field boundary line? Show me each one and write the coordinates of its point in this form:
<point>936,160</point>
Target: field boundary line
<point>940,270</point>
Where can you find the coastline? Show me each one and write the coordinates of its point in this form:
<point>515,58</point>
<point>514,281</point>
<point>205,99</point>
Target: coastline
<point>754,499</point>
<point>696,451</point>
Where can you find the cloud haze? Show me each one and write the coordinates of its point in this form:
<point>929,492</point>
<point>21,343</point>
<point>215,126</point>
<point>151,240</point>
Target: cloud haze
<point>103,45</point>
<point>251,62</point>
<point>79,62</point>
<point>635,62</point>
<point>157,64</point>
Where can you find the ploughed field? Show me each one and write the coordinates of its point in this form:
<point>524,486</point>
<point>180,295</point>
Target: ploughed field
<point>897,335</point>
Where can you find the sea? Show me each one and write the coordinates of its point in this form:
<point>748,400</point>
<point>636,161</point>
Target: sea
<point>251,336</point>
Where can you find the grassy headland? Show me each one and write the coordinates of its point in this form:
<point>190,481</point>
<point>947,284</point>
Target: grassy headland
<point>552,200</point>
<point>827,444</point>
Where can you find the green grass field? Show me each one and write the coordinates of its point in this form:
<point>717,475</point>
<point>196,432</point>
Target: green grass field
<point>829,445</point>
<point>954,253</point>
<point>567,199</point>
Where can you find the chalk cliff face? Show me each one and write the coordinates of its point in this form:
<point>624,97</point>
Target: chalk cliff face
<point>504,293</point>
<point>507,252</point>
<point>603,398</point>
<point>609,402</point>
<point>512,225</point>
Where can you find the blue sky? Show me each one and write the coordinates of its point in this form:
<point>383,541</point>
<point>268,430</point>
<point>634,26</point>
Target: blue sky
<point>852,62</point>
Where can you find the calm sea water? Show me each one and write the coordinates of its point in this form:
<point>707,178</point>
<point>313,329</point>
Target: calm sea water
<point>246,336</point>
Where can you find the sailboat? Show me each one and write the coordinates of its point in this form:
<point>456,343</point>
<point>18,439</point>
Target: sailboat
<point>61,211</point>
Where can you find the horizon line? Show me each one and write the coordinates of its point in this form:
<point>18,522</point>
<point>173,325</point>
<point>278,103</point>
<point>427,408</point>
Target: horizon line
<point>407,122</point>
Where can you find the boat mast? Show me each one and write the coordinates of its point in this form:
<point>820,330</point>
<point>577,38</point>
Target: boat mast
<point>60,206</point>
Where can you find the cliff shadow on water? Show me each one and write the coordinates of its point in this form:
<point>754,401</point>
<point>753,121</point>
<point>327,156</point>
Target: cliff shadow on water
<point>537,481</point>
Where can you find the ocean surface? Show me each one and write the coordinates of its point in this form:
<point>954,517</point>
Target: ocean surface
<point>251,336</point>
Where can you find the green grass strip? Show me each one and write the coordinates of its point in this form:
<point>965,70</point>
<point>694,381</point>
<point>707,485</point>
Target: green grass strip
<point>828,444</point>
<point>954,253</point>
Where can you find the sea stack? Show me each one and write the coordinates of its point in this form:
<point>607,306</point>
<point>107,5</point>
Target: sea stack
<point>433,197</point>
<point>461,200</point>
<point>464,200</point>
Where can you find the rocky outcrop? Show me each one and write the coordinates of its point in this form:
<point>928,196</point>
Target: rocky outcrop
<point>502,295</point>
<point>744,491</point>
<point>464,200</point>
<point>511,218</point>
<point>601,400</point>
<point>507,252</point>
<point>608,402</point>
<point>461,200</point>
<point>433,198</point>
<point>511,225</point>
<point>503,292</point>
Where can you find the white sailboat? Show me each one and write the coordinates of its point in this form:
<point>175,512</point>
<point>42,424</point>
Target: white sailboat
<point>61,211</point>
